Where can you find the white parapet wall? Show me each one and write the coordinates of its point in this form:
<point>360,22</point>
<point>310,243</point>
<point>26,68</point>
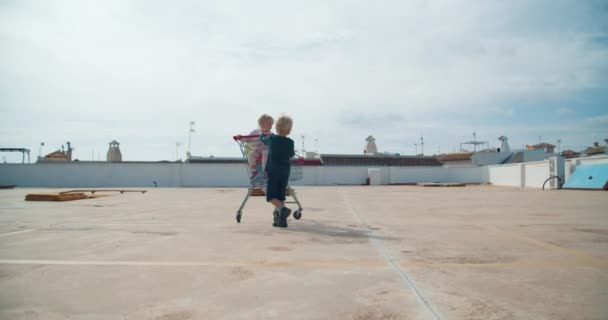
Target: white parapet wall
<point>506,175</point>
<point>535,173</point>
<point>146,174</point>
<point>528,174</point>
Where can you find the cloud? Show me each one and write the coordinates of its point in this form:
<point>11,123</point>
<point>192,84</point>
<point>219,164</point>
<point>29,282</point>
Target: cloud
<point>564,111</point>
<point>600,122</point>
<point>141,70</point>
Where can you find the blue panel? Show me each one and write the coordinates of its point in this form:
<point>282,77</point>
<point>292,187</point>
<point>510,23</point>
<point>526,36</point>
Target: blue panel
<point>591,176</point>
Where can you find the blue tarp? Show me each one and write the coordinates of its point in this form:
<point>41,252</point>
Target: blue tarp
<point>590,176</point>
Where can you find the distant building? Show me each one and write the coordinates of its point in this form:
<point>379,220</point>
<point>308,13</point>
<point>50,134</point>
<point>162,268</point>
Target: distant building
<point>597,149</point>
<point>59,155</point>
<point>546,147</point>
<point>456,158</point>
<point>114,154</point>
<point>504,155</point>
<point>377,160</point>
<point>569,154</point>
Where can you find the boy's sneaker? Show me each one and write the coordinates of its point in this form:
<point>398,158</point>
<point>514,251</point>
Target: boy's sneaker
<point>275,215</point>
<point>283,215</point>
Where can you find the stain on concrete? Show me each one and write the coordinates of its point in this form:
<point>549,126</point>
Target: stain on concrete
<point>482,310</point>
<point>241,273</point>
<point>600,232</point>
<point>278,248</point>
<point>159,233</point>
<point>376,315</point>
<point>471,259</point>
<point>180,315</point>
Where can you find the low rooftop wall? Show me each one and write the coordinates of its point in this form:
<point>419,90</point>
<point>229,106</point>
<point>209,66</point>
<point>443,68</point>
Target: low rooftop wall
<point>99,174</point>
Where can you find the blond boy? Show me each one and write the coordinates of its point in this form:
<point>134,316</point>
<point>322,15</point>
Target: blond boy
<point>280,151</point>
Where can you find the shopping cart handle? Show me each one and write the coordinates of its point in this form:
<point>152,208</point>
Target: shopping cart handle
<point>240,137</point>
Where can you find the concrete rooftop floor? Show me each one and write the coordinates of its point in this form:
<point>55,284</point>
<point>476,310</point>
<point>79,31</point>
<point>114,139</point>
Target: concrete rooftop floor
<point>387,252</point>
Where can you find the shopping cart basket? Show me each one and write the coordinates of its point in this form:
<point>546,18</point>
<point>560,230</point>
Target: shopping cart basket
<point>297,173</point>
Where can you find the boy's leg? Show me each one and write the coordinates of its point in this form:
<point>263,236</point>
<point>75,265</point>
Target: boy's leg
<point>277,203</point>
<point>270,197</point>
<point>284,211</point>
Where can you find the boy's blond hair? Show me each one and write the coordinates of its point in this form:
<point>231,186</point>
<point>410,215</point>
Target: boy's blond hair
<point>265,118</point>
<point>283,125</point>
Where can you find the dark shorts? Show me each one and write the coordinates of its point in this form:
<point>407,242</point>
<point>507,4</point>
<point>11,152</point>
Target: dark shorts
<point>276,187</point>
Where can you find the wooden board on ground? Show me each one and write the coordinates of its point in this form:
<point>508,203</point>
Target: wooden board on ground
<point>441,184</point>
<point>61,197</point>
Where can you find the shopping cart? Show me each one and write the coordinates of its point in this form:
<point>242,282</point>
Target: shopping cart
<point>297,173</point>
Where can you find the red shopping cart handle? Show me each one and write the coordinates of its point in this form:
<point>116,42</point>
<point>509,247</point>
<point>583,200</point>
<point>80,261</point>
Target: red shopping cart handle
<point>240,137</point>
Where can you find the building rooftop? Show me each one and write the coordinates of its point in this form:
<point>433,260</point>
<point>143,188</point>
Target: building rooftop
<point>596,150</point>
<point>388,252</point>
<point>377,160</point>
<point>456,156</point>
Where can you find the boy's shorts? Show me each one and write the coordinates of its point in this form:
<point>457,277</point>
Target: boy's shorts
<point>276,187</point>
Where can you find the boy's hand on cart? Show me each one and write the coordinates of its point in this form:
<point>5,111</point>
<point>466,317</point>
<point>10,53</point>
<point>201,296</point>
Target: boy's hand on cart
<point>237,137</point>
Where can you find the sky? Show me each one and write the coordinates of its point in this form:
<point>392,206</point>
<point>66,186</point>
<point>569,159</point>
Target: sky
<point>138,72</point>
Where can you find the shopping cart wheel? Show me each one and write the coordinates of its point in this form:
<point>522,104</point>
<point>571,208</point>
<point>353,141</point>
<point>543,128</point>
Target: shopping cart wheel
<point>297,214</point>
<point>238,217</point>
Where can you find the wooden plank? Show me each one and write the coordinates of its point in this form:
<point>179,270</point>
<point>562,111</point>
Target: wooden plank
<point>61,197</point>
<point>441,184</point>
<point>102,190</point>
<point>54,197</point>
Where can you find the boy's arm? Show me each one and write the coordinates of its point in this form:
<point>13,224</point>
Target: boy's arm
<point>292,152</point>
<point>266,139</point>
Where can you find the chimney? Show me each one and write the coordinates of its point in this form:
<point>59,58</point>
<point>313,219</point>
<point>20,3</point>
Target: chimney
<point>69,151</point>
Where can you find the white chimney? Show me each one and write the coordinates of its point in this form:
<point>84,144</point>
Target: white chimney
<point>370,147</point>
<point>504,144</point>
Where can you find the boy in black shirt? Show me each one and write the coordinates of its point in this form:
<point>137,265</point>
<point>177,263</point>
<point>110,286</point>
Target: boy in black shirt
<point>280,152</point>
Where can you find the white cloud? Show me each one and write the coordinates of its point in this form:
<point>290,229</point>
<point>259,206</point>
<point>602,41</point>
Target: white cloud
<point>564,111</point>
<point>600,121</point>
<point>140,70</point>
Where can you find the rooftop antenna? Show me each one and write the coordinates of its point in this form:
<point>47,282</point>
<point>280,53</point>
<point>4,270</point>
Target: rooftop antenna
<point>192,123</point>
<point>40,150</point>
<point>303,149</point>
<point>422,146</point>
<point>316,145</point>
<point>474,141</point>
<point>177,144</point>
